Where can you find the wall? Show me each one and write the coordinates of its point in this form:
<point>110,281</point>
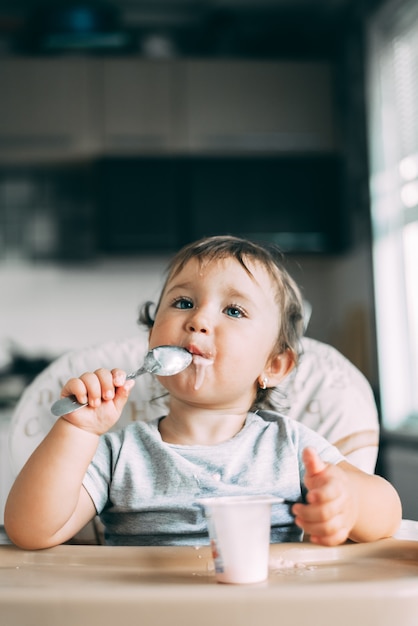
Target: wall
<point>51,308</point>
<point>340,290</point>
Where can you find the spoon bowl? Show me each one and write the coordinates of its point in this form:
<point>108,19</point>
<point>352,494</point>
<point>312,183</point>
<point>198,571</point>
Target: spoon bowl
<point>165,361</point>
<point>161,360</point>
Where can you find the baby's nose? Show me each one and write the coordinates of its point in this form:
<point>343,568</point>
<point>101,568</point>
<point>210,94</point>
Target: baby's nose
<point>198,328</point>
<point>199,322</point>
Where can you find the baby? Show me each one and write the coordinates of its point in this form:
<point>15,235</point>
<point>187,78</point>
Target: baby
<point>233,306</point>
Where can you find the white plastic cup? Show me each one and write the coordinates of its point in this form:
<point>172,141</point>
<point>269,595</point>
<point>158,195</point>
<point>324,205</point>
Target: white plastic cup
<point>239,533</point>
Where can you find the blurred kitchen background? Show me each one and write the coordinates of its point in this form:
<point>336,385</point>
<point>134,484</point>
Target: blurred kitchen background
<point>131,127</point>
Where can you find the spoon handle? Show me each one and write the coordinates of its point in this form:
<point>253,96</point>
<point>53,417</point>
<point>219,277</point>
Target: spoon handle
<point>66,405</point>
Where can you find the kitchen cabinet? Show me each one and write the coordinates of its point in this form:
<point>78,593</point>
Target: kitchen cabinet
<point>292,199</point>
<point>141,112</point>
<point>48,108</point>
<point>150,190</point>
<point>125,106</point>
<point>259,106</point>
<point>199,106</point>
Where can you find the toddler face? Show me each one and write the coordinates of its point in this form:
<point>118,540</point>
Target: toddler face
<point>226,317</point>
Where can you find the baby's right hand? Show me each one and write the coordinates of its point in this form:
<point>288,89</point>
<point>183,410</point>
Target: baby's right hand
<point>106,393</point>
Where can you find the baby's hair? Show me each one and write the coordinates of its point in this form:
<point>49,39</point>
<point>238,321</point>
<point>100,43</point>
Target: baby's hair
<point>288,297</point>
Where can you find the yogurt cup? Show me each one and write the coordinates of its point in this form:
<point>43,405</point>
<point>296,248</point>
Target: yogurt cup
<point>239,533</point>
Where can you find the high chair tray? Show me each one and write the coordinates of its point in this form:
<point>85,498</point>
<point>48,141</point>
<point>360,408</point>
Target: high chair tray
<point>373,584</point>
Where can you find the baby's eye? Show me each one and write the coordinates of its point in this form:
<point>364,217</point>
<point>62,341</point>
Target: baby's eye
<point>182,303</point>
<point>234,311</point>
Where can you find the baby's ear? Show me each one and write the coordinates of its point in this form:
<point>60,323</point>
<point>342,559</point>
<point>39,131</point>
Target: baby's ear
<point>280,366</point>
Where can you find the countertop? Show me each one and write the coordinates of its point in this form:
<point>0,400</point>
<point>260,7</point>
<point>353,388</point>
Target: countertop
<point>374,584</point>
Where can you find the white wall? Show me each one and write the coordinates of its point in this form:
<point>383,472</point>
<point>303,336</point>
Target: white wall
<point>340,290</point>
<point>50,309</point>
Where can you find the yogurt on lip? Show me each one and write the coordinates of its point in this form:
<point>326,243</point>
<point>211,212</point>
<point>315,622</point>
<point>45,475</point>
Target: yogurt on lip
<point>200,364</point>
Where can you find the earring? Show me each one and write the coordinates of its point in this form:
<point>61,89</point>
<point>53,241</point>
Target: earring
<point>264,382</point>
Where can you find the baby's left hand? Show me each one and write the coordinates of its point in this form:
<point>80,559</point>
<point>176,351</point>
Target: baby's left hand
<point>330,511</point>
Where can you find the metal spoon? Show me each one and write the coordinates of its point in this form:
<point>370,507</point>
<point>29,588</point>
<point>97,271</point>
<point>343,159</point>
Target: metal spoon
<point>162,360</point>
